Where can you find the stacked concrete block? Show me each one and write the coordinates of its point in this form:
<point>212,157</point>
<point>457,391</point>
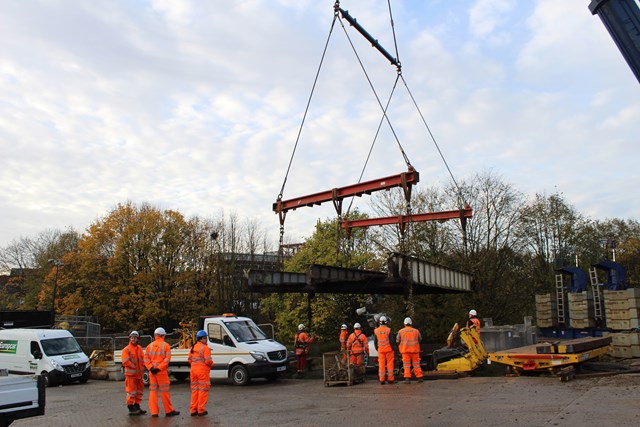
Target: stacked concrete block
<point>581,314</point>
<point>546,311</point>
<point>622,308</point>
<point>625,344</point>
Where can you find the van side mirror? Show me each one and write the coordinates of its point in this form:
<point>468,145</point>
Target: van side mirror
<point>37,354</point>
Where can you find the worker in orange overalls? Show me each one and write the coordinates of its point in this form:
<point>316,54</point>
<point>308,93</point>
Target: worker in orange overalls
<point>386,358</point>
<point>344,335</point>
<point>133,365</point>
<point>358,345</point>
<point>408,340</point>
<point>301,344</point>
<point>201,363</point>
<point>157,356</point>
<point>473,320</point>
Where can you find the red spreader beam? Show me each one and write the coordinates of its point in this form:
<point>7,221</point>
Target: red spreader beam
<point>461,214</point>
<point>405,180</point>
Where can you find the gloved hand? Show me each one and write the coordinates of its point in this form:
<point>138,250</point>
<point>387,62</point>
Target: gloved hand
<point>154,370</point>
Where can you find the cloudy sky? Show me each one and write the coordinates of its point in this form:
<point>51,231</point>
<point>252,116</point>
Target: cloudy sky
<point>196,105</point>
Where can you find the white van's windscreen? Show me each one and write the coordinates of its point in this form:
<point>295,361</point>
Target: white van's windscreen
<point>245,331</point>
<point>58,346</point>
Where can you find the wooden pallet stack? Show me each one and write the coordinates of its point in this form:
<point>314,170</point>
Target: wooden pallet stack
<point>622,308</point>
<point>581,314</point>
<point>546,311</point>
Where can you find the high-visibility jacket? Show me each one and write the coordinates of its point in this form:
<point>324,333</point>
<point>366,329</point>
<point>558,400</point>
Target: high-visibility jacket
<point>383,338</point>
<point>301,343</point>
<point>344,335</point>
<point>133,360</point>
<point>357,342</point>
<point>475,321</point>
<point>200,357</point>
<point>408,340</point>
<point>157,355</point>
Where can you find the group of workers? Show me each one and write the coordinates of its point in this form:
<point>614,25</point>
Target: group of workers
<point>155,358</point>
<point>355,345</point>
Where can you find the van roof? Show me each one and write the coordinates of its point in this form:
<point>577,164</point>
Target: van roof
<point>39,333</point>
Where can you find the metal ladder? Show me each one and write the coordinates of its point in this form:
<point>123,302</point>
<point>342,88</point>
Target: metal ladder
<point>560,303</point>
<point>597,294</point>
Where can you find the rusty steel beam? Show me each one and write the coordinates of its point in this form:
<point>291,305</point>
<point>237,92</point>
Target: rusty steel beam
<point>405,179</point>
<point>466,212</point>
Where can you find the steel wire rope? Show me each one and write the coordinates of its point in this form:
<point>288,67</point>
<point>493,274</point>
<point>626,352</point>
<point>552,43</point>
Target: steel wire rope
<point>306,110</point>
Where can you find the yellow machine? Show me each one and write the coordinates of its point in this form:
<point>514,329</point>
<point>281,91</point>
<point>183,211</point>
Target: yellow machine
<point>187,334</point>
<point>464,352</point>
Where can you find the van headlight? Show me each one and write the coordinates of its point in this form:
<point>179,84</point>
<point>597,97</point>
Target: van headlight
<point>57,366</point>
<point>259,356</point>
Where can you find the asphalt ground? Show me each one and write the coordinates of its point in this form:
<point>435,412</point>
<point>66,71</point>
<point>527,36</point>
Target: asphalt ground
<point>471,401</point>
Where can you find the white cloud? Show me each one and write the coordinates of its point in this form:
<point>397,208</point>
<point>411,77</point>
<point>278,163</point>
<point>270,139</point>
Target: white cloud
<point>196,105</point>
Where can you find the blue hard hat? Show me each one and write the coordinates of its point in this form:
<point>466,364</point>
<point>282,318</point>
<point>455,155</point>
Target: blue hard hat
<point>201,334</point>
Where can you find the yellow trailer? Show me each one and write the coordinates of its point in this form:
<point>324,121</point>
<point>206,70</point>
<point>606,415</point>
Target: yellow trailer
<point>558,358</point>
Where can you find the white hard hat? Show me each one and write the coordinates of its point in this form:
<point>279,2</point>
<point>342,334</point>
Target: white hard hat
<point>134,334</point>
<point>343,326</point>
<point>300,327</point>
<point>473,313</point>
<point>383,319</point>
<point>357,326</point>
<point>159,331</point>
<point>407,321</point>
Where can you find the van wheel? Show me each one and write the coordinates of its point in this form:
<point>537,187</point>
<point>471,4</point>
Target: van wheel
<point>47,379</point>
<point>239,375</point>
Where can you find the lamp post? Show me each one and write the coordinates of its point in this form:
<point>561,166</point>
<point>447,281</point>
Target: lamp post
<point>57,264</point>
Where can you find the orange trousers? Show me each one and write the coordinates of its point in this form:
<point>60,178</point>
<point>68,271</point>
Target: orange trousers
<point>159,383</point>
<point>134,387</point>
<point>410,360</point>
<point>385,365</point>
<point>200,385</point>
<point>356,358</point>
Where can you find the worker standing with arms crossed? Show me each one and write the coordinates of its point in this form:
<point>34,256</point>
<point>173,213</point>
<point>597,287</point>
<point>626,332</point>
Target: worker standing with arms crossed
<point>157,356</point>
<point>408,340</point>
<point>133,364</point>
<point>301,344</point>
<point>201,363</point>
<point>386,358</point>
<point>357,344</point>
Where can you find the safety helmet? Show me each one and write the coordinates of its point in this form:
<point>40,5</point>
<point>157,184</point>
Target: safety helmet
<point>301,327</point>
<point>407,321</point>
<point>473,313</point>
<point>383,319</point>
<point>201,334</point>
<point>357,326</point>
<point>343,326</point>
<point>159,331</point>
<point>134,334</point>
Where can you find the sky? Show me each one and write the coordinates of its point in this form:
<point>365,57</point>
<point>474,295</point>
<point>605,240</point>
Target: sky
<point>197,105</point>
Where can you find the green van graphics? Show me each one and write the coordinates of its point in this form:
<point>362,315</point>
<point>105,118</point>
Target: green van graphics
<point>8,346</point>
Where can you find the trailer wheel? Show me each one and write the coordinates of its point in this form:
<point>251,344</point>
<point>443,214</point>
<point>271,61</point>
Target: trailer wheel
<point>145,377</point>
<point>239,375</point>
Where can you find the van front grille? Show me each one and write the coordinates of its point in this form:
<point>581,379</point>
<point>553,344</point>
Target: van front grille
<point>277,356</point>
<point>75,368</point>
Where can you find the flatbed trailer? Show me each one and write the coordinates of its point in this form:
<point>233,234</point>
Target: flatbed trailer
<point>558,358</point>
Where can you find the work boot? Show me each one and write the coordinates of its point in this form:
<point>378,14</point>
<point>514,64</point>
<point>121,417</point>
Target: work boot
<point>419,380</point>
<point>407,381</point>
<point>202,414</point>
<point>133,410</point>
<point>172,413</point>
<point>142,411</point>
<point>383,382</point>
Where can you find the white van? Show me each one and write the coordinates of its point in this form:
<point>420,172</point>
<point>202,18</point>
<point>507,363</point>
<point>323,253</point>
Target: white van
<point>239,348</point>
<point>53,353</point>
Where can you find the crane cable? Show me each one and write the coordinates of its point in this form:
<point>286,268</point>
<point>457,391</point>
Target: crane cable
<point>304,116</point>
